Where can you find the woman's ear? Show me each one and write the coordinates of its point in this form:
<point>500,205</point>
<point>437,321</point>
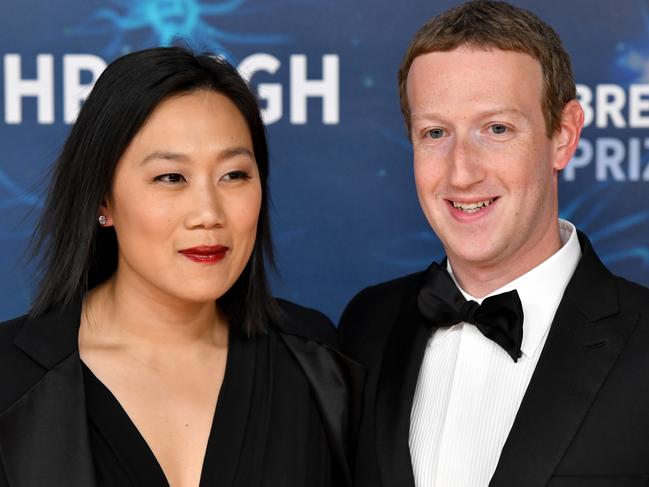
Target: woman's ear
<point>104,218</point>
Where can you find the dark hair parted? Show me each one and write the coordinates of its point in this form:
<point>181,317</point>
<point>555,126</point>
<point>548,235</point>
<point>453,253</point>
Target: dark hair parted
<point>487,24</point>
<point>76,253</point>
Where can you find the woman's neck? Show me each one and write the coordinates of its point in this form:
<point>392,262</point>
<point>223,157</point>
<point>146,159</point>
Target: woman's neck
<point>124,314</point>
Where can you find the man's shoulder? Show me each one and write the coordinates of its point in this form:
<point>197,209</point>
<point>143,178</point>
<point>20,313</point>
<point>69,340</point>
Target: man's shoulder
<point>633,297</point>
<point>370,316</point>
<point>376,298</point>
<point>593,278</point>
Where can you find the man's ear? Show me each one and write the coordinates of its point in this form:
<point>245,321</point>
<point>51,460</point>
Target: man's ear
<point>566,138</point>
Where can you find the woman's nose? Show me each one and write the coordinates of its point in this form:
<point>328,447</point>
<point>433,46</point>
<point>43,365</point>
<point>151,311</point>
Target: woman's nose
<point>204,208</point>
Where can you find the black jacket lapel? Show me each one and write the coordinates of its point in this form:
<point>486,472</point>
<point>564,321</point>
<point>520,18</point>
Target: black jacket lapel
<point>395,394</point>
<point>45,429</point>
<point>586,337</point>
<point>337,384</point>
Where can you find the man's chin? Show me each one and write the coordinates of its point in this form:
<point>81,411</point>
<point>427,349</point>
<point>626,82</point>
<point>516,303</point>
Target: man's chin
<point>473,253</point>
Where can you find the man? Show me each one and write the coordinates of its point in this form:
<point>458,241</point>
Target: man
<point>547,381</point>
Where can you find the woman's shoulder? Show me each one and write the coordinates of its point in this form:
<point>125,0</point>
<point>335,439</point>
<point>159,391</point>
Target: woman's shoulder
<point>307,323</point>
<point>9,330</point>
<point>18,372</point>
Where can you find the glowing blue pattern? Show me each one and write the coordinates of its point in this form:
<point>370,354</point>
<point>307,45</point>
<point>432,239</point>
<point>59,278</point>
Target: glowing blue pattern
<point>402,249</point>
<point>617,237</point>
<point>12,198</point>
<point>16,195</point>
<point>167,21</point>
<point>623,238</point>
<point>634,58</point>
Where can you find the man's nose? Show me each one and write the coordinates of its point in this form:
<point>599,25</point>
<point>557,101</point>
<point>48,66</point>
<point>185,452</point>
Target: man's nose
<point>466,163</point>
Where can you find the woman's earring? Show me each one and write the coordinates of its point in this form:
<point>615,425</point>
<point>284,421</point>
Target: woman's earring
<point>102,220</point>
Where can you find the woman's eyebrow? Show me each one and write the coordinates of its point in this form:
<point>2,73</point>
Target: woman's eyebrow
<point>228,153</point>
<point>165,155</point>
<point>235,151</point>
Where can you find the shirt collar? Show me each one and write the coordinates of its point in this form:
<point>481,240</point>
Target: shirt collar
<point>541,288</point>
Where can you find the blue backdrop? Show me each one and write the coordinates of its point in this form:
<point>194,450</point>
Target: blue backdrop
<point>345,213</point>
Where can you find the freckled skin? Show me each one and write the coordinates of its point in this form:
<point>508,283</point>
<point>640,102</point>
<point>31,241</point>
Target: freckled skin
<point>478,132</point>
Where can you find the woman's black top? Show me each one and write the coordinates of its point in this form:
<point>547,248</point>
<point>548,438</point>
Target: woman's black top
<point>267,430</point>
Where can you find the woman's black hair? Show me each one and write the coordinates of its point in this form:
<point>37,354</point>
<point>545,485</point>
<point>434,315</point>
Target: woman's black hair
<point>76,253</point>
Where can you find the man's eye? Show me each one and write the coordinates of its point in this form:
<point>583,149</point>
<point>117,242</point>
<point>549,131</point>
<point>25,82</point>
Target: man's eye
<point>498,129</point>
<point>436,133</point>
<point>236,176</point>
<point>173,177</point>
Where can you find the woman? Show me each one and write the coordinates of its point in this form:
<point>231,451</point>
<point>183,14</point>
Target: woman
<point>153,354</point>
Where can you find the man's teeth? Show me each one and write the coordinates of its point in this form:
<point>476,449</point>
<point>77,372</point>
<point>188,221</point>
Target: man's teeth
<point>472,207</point>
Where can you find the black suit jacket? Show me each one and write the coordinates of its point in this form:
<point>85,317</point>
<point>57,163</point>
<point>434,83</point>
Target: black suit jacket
<point>584,419</point>
<point>44,440</point>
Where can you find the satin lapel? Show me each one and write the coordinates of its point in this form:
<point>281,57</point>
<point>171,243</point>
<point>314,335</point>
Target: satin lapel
<point>44,436</point>
<point>585,339</point>
<point>395,393</point>
<point>337,384</point>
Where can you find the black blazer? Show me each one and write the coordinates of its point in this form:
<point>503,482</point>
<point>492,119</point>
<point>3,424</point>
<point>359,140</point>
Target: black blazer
<point>584,419</point>
<point>44,440</point>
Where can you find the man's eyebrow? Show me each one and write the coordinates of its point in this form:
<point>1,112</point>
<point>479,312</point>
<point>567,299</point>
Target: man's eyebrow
<point>510,111</point>
<point>228,153</point>
<point>427,115</point>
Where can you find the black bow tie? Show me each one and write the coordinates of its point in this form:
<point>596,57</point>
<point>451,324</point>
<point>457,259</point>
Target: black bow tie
<point>499,317</point>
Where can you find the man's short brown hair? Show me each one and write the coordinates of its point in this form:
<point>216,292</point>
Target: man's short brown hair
<point>487,24</point>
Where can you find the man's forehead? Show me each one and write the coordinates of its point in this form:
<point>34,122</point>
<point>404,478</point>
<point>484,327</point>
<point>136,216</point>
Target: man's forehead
<point>474,82</point>
<point>477,71</point>
<point>490,54</point>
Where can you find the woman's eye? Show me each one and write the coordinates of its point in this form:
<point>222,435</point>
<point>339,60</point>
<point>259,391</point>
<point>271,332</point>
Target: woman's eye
<point>435,133</point>
<point>173,177</point>
<point>498,129</point>
<point>236,176</point>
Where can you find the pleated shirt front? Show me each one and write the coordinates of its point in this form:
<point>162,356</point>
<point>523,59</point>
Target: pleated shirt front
<point>469,389</point>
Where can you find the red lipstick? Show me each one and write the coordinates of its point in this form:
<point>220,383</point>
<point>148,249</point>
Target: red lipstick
<point>205,254</point>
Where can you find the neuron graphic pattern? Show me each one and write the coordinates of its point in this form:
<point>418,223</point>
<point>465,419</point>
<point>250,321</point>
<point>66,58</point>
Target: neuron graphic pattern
<point>623,237</point>
<point>633,57</point>
<point>166,21</point>
<point>620,236</point>
<point>15,200</point>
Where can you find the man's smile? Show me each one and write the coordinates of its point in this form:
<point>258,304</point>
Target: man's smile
<point>472,207</point>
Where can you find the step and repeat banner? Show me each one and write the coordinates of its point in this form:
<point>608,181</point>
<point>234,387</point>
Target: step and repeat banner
<point>344,213</point>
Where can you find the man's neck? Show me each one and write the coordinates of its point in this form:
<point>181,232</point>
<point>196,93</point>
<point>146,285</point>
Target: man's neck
<point>481,279</point>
